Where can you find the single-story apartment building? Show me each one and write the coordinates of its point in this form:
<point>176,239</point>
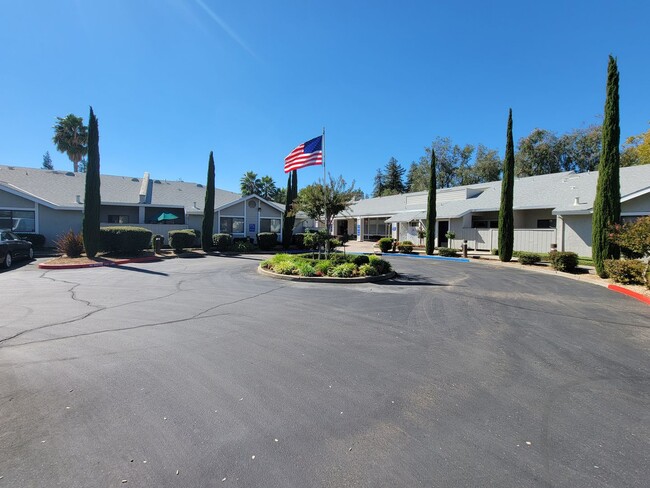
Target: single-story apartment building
<point>548,209</point>
<point>50,202</point>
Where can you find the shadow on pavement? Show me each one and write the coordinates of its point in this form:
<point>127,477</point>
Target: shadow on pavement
<point>409,280</point>
<point>139,270</point>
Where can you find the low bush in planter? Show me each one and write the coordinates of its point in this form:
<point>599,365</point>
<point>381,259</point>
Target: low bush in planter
<point>382,266</point>
<point>70,244</point>
<point>267,240</point>
<point>405,247</point>
<point>529,258</point>
<point>124,239</point>
<point>626,271</point>
<point>222,242</point>
<point>345,270</point>
<point>564,261</point>
<point>181,239</point>
<point>447,252</point>
<point>360,259</point>
<point>385,244</point>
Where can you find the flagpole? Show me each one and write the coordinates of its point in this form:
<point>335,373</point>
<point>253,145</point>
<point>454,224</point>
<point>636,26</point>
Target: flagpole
<point>325,185</point>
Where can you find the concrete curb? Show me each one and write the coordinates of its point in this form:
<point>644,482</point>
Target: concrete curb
<point>327,279</point>
<point>630,293</point>
<point>100,264</point>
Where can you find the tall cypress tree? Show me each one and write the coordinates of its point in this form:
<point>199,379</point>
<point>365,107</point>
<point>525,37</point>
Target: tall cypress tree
<point>289,220</point>
<point>607,204</point>
<point>431,207</point>
<point>92,199</point>
<point>207,226</point>
<point>506,214</point>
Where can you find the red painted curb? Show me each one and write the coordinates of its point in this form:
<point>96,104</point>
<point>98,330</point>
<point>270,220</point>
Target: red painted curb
<point>118,262</point>
<point>630,293</point>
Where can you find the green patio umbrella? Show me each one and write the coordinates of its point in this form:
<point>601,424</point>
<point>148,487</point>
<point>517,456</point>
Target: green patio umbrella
<point>166,216</point>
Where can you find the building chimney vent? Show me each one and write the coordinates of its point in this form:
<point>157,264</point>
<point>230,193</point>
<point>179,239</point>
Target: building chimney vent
<point>576,201</point>
<point>78,199</point>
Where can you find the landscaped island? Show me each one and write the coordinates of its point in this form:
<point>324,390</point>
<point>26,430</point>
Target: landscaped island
<point>337,265</point>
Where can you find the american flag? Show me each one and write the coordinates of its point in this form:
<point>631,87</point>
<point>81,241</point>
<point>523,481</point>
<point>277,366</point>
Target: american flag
<point>309,153</point>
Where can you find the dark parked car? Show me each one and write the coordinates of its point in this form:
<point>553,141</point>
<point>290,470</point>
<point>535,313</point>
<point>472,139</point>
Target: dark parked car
<point>13,247</point>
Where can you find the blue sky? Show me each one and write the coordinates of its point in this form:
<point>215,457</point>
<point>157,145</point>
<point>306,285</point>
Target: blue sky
<point>171,80</point>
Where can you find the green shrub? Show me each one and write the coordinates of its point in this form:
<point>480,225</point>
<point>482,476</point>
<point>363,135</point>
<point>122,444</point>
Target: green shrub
<point>242,246</point>
<point>322,267</point>
<point>306,269</point>
<point>345,270</point>
<point>564,261</point>
<point>405,247</point>
<point>127,240</point>
<point>37,240</point>
<point>285,267</point>
<point>626,271</point>
<point>267,240</point>
<point>385,244</point>
<point>448,252</point>
<point>338,258</point>
<point>368,270</point>
<point>181,239</point>
<point>494,252</point>
<point>360,259</point>
<point>70,244</point>
<point>222,242</point>
<point>382,266</point>
<point>529,258</point>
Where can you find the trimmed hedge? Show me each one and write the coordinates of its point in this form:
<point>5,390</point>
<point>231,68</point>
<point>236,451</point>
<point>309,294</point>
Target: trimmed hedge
<point>382,266</point>
<point>222,242</point>
<point>529,258</point>
<point>385,244</point>
<point>129,240</point>
<point>360,259</point>
<point>564,261</point>
<point>267,240</point>
<point>626,271</point>
<point>405,247</point>
<point>298,240</point>
<point>37,240</point>
<point>181,239</point>
<point>448,252</point>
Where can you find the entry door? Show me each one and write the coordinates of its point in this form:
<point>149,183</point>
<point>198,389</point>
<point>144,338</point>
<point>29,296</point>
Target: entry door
<point>443,228</point>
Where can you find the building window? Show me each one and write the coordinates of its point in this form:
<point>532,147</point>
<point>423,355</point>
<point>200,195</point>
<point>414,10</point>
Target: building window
<point>118,219</point>
<point>546,223</point>
<point>270,225</point>
<point>485,224</point>
<point>231,225</point>
<point>376,227</point>
<point>18,220</point>
<point>630,219</point>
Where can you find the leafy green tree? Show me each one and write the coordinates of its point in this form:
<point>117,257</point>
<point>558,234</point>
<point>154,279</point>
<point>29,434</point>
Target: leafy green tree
<point>92,200</point>
<point>311,200</point>
<point>636,150</point>
<point>393,178</point>
<point>250,184</point>
<point>487,166</point>
<point>207,226</point>
<point>579,150</point>
<point>267,188</point>
<point>607,204</point>
<point>47,161</point>
<point>289,213</point>
<point>538,154</point>
<point>71,137</point>
<point>506,213</point>
<point>431,206</point>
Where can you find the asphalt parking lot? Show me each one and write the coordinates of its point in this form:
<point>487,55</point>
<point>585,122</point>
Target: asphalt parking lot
<point>201,373</point>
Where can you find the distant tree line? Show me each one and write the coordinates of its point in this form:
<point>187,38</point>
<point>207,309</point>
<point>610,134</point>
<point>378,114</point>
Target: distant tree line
<point>541,152</point>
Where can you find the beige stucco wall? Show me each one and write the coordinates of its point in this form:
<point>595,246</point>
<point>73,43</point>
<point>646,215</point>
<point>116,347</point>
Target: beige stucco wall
<point>527,219</point>
<point>236,210</point>
<point>9,200</point>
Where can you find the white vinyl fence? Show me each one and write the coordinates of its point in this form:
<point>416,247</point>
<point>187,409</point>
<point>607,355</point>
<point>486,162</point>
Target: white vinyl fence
<point>531,240</point>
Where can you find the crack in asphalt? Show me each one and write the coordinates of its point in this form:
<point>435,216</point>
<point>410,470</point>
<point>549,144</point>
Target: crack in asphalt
<point>198,316</point>
<point>99,308</point>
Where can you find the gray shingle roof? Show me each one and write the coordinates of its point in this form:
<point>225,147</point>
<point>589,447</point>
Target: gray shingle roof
<point>557,191</point>
<point>59,188</point>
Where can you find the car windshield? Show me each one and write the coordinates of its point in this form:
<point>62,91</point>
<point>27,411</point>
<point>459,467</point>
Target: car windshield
<point>10,236</point>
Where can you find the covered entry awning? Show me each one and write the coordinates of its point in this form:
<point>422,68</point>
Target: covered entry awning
<point>407,216</point>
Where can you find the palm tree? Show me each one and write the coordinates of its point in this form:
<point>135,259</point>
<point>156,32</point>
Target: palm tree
<point>250,184</point>
<point>71,137</point>
<point>267,188</point>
